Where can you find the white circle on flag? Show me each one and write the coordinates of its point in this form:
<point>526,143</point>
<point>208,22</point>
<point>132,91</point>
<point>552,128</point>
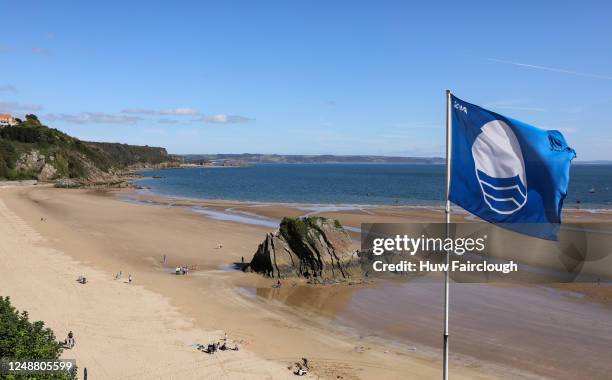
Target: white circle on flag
<point>500,168</point>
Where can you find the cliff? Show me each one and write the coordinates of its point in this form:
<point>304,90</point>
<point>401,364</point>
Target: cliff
<point>30,150</point>
<point>133,156</point>
<point>315,248</point>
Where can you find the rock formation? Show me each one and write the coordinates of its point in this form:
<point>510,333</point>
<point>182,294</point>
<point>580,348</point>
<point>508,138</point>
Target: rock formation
<point>47,173</point>
<point>315,248</point>
<point>32,162</point>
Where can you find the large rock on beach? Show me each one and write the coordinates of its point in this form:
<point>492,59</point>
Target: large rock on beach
<point>315,248</point>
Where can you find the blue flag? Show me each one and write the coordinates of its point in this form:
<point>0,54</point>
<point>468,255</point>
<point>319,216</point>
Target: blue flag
<point>508,172</point>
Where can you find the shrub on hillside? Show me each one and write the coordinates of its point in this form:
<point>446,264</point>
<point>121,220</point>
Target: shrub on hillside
<point>8,155</point>
<point>22,339</point>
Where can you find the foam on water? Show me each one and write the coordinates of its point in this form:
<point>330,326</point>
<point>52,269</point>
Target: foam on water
<point>237,217</point>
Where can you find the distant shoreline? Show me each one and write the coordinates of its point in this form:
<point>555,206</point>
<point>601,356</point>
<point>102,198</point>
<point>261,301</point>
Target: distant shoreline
<point>258,158</point>
<point>338,192</point>
<point>262,158</point>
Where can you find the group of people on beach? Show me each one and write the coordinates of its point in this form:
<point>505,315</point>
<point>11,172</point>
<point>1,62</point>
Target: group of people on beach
<point>119,275</point>
<point>211,348</point>
<point>218,346</point>
<point>183,269</point>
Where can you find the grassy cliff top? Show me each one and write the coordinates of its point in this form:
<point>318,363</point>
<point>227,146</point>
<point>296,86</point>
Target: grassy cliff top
<point>29,144</point>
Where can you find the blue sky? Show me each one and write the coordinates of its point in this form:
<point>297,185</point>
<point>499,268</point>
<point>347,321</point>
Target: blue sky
<point>306,77</point>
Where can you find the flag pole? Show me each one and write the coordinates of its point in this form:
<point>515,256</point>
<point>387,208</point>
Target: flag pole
<point>448,215</point>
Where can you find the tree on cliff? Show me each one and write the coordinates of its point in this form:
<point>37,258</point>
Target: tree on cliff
<point>32,119</point>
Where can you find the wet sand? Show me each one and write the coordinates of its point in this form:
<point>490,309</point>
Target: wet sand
<point>348,331</point>
<point>522,328</point>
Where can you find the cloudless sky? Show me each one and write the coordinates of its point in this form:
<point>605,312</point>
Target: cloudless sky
<point>306,77</point>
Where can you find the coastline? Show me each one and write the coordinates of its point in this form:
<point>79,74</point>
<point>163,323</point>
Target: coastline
<point>311,190</point>
<point>290,322</point>
<point>108,235</point>
<point>368,213</point>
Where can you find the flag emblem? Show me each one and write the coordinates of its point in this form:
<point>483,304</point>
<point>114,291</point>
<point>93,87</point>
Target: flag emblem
<point>500,168</point>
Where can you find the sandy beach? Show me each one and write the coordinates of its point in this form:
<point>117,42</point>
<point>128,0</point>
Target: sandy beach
<point>124,331</point>
<point>127,331</point>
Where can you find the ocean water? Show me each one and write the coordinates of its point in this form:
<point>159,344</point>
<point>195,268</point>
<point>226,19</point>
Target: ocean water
<point>403,184</point>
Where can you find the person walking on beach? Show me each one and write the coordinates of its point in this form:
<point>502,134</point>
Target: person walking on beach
<point>164,259</point>
<point>70,340</point>
<point>130,279</point>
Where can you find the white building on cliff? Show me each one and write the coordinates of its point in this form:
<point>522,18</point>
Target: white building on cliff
<point>6,120</point>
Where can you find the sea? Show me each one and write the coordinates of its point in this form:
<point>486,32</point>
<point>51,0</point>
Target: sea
<point>352,184</point>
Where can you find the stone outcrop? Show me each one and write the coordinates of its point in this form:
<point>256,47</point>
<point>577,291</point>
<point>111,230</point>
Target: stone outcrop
<point>47,173</point>
<point>315,248</point>
<point>32,161</point>
<point>38,164</point>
